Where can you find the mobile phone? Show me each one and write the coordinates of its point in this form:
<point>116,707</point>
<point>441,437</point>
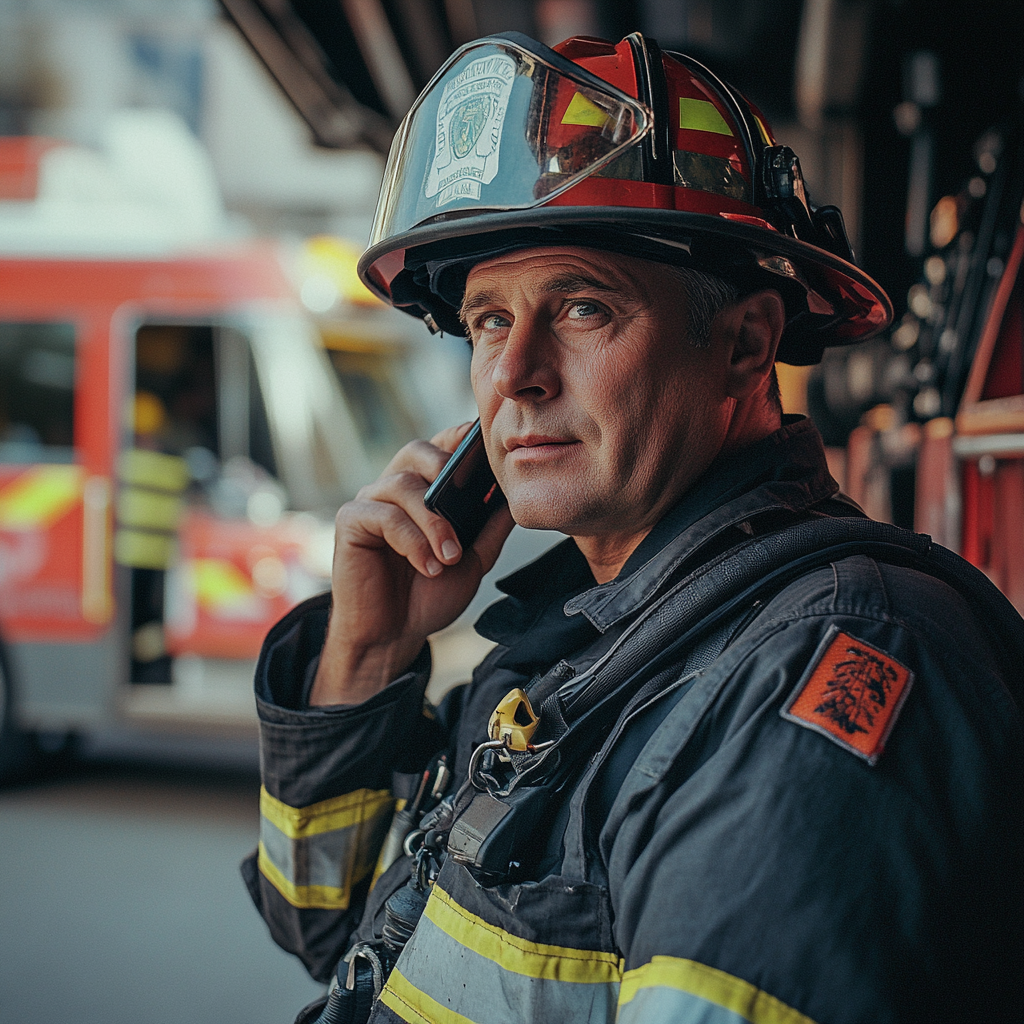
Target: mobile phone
<point>465,491</point>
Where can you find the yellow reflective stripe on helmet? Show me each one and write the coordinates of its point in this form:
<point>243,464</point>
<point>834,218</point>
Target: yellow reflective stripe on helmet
<point>763,129</point>
<point>584,112</point>
<point>412,1005</point>
<point>305,897</point>
<point>711,985</point>
<point>326,816</point>
<point>534,959</point>
<point>702,116</point>
<point>40,496</point>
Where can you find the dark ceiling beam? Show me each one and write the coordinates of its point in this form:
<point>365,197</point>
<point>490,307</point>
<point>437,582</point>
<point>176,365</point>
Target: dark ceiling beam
<point>295,60</point>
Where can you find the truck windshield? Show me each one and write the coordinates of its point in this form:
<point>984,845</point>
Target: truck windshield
<point>37,392</point>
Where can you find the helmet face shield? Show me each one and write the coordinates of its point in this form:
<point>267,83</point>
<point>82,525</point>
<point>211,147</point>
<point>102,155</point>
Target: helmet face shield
<point>503,127</point>
<point>613,146</point>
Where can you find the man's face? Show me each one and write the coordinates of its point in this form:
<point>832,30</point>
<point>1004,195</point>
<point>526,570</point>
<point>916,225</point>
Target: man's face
<point>597,412</point>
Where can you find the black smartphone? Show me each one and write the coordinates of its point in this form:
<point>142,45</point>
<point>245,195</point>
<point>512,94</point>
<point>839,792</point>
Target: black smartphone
<point>465,491</point>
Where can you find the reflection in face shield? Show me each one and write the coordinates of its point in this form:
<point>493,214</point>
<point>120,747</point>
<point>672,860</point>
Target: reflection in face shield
<point>570,130</point>
<point>502,128</point>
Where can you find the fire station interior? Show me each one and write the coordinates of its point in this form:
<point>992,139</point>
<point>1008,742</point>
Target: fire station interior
<point>197,398</point>
<point>905,113</point>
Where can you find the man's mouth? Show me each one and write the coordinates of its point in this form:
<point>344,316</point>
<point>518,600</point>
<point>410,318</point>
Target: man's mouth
<point>537,441</point>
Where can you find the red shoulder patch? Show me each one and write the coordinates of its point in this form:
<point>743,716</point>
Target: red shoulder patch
<point>852,693</point>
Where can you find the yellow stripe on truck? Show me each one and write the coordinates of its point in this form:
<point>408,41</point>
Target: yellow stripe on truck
<point>141,468</point>
<point>142,550</point>
<point>37,498</point>
<point>148,510</point>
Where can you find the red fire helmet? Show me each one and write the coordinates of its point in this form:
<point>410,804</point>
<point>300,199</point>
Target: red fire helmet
<point>618,147</point>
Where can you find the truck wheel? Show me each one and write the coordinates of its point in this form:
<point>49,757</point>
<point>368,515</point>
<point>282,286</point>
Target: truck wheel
<point>16,747</point>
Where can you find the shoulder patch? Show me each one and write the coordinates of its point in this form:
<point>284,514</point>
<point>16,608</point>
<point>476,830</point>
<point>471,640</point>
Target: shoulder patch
<point>852,693</point>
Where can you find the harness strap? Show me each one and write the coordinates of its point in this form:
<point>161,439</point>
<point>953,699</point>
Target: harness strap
<point>488,831</point>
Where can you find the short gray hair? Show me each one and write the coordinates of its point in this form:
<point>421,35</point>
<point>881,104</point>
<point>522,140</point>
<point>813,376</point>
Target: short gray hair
<point>706,295</point>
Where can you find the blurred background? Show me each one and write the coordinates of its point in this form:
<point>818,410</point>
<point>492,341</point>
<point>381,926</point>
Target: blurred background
<point>192,379</point>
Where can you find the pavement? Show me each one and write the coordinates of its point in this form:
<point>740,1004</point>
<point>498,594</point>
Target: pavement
<point>122,903</point>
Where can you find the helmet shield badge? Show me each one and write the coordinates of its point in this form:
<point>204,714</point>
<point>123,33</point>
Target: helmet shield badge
<point>501,127</point>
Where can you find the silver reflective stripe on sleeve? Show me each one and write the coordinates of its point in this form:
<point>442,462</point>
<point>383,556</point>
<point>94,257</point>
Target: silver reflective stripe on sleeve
<point>314,855</point>
<point>670,989</point>
<point>458,968</point>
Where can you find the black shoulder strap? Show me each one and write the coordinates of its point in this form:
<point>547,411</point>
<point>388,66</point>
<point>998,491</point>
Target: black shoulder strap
<point>755,569</point>
<point>490,826</point>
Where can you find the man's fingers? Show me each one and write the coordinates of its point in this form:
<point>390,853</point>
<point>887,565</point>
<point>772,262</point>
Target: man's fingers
<point>434,544</point>
<point>423,457</point>
<point>391,511</point>
<point>366,523</point>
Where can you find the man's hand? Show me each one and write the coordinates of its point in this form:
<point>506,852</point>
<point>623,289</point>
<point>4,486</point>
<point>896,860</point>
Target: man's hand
<point>399,574</point>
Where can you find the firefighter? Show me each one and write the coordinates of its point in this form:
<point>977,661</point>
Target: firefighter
<point>738,753</point>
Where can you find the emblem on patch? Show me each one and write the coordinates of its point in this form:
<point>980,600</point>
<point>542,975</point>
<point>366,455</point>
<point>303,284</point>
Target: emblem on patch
<point>470,118</point>
<point>852,693</point>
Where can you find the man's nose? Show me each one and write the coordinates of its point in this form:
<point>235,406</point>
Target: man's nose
<point>526,370</point>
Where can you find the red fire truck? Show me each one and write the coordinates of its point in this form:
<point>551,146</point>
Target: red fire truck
<point>173,444</point>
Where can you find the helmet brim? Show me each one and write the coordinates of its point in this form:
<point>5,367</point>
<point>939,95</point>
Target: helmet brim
<point>841,305</point>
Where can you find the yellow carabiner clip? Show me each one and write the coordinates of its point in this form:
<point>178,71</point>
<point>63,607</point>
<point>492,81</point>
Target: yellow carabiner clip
<point>513,721</point>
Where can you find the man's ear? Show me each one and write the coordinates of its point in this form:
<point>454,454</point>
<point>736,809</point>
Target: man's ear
<point>753,327</point>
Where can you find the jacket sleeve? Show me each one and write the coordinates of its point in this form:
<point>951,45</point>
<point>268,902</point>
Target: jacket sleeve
<point>327,799</point>
<point>764,870</point>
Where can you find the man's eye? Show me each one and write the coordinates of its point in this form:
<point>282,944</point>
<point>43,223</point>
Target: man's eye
<point>581,310</point>
<point>493,322</point>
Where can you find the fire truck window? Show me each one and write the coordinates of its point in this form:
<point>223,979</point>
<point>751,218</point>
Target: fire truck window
<point>175,389</point>
<point>37,392</point>
<point>261,449</point>
<point>374,400</point>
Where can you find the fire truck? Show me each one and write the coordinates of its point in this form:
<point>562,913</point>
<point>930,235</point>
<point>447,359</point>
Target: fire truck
<point>174,441</point>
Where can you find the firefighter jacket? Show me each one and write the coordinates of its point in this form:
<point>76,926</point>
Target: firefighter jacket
<point>814,817</point>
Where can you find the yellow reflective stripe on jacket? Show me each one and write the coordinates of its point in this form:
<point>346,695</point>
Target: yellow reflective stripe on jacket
<point>313,856</point>
<point>148,509</point>
<point>305,897</point>
<point>338,812</point>
<point>670,988</point>
<point>534,959</point>
<point>460,969</point>
<point>414,1006</point>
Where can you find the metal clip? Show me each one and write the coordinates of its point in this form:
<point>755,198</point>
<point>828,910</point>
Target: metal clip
<point>513,721</point>
<point>474,761</point>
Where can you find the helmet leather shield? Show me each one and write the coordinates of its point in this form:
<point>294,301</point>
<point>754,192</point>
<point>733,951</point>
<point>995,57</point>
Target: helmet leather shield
<point>617,147</point>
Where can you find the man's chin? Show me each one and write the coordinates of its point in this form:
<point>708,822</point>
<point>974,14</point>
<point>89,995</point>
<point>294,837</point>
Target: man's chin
<point>544,511</point>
